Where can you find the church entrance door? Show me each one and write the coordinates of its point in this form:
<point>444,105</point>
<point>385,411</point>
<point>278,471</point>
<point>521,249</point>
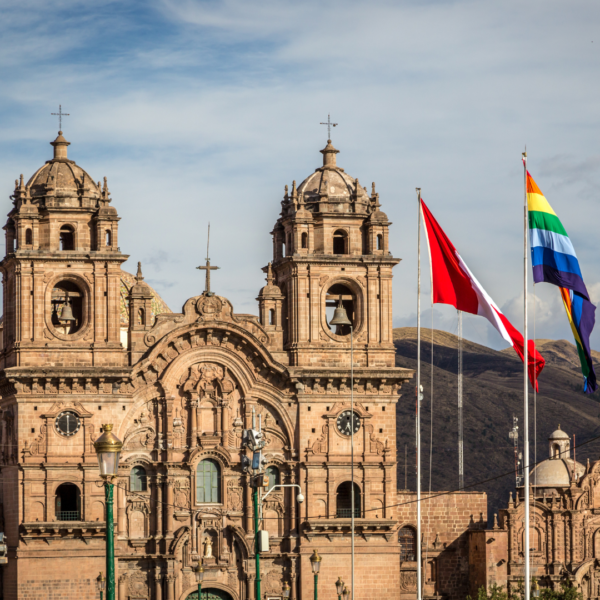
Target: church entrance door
<point>210,594</point>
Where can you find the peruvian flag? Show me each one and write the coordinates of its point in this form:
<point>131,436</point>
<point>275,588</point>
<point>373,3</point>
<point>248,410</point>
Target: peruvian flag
<point>454,284</point>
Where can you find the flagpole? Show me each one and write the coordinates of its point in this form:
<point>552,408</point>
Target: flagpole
<point>527,576</point>
<point>418,417</point>
<point>461,464</point>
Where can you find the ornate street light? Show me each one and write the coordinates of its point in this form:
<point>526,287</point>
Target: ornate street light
<point>101,584</point>
<point>108,448</point>
<point>535,588</point>
<point>339,588</point>
<point>286,590</point>
<point>199,572</point>
<point>315,563</point>
<point>346,593</point>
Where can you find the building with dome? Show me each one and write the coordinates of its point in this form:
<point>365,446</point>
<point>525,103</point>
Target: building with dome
<point>84,344</point>
<point>564,527</point>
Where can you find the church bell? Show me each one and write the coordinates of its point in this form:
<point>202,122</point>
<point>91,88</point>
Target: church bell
<point>340,317</point>
<point>66,314</point>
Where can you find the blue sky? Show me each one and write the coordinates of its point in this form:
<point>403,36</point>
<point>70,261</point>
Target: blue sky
<point>202,111</point>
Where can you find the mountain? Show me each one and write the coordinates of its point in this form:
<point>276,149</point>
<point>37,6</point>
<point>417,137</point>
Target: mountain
<point>492,394</point>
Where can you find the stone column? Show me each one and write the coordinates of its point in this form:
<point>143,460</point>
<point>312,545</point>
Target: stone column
<point>170,587</point>
<point>293,586</point>
<point>250,591</point>
<point>194,422</point>
<point>121,510</point>
<point>158,586</point>
<point>122,587</point>
<point>194,534</point>
<point>159,506</point>
<point>170,496</point>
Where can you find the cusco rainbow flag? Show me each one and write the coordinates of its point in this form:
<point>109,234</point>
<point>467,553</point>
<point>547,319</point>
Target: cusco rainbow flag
<point>554,260</point>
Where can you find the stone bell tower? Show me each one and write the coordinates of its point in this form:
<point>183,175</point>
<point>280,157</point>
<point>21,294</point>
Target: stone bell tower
<point>61,272</point>
<point>331,242</point>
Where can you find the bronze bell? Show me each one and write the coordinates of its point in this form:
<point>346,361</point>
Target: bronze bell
<point>66,314</point>
<point>340,317</point>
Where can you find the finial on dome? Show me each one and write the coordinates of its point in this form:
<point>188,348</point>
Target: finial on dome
<point>60,147</point>
<point>269,274</point>
<point>294,190</point>
<point>286,191</point>
<point>139,277</point>
<point>329,153</point>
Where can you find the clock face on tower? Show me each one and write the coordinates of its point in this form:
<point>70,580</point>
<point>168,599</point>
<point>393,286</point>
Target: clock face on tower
<point>346,421</point>
<point>67,423</point>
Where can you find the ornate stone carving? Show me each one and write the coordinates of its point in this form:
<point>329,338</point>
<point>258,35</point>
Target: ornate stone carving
<point>408,581</point>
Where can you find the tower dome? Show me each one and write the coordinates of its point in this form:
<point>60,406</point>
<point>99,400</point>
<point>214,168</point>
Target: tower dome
<point>60,182</point>
<point>333,186</point>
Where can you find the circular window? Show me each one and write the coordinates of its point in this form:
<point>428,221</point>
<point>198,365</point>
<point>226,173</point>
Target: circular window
<point>340,296</point>
<point>67,307</point>
<point>67,423</point>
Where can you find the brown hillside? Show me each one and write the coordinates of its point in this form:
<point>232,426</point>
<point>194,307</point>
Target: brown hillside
<point>492,393</point>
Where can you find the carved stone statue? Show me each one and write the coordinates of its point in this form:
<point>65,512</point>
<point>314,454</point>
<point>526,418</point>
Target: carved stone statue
<point>207,547</point>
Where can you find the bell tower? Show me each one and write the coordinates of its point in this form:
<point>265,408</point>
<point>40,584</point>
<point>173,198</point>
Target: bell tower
<point>331,244</point>
<point>61,272</point>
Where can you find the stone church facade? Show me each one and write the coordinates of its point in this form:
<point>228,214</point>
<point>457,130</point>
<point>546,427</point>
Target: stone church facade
<point>181,387</point>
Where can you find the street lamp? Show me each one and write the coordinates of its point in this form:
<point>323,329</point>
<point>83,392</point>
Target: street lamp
<point>315,563</point>
<point>340,317</point>
<point>339,587</point>
<point>535,588</point>
<point>108,448</point>
<point>286,590</point>
<point>101,583</point>
<point>199,572</point>
<point>346,593</point>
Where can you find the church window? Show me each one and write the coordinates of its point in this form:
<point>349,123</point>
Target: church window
<point>108,237</point>
<point>379,242</point>
<point>408,544</point>
<point>140,316</point>
<point>332,300</point>
<point>66,307</point>
<point>67,238</point>
<point>273,475</point>
<point>305,240</point>
<point>344,500</point>
<point>555,451</point>
<point>68,502</point>
<point>207,481</point>
<point>138,481</point>
<point>28,237</point>
<point>340,242</point>
<point>288,246</point>
<point>271,317</point>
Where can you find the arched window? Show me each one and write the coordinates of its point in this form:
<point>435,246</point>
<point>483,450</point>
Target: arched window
<point>108,237</point>
<point>288,246</point>
<point>67,238</point>
<point>141,316</point>
<point>138,482</point>
<point>332,299</point>
<point>340,242</point>
<point>208,475</point>
<point>379,242</point>
<point>272,316</point>
<point>68,502</point>
<point>555,451</point>
<point>273,475</point>
<point>408,544</point>
<point>344,501</point>
<point>28,237</point>
<point>305,240</point>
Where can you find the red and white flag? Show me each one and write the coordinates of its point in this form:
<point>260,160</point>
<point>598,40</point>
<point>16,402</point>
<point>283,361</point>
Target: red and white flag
<point>454,284</point>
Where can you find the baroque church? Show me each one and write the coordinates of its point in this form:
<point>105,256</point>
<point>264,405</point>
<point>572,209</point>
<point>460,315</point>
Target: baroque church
<point>84,343</point>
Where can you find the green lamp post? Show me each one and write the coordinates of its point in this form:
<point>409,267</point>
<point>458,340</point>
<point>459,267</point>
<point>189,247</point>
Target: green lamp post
<point>101,584</point>
<point>199,572</point>
<point>108,448</point>
<point>339,588</point>
<point>315,563</point>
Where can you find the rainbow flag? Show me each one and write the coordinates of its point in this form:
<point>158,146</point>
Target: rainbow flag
<point>554,261</point>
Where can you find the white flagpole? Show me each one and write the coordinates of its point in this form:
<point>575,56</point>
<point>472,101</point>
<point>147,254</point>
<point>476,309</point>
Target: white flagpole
<point>461,465</point>
<point>527,576</point>
<point>418,419</point>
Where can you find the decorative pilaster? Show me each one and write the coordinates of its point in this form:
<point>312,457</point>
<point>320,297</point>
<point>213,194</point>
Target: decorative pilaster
<point>121,510</point>
<point>123,587</point>
<point>170,497</point>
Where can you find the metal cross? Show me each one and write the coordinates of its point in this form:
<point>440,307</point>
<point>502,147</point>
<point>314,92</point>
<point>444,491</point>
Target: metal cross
<point>60,114</point>
<point>207,267</point>
<point>329,126</point>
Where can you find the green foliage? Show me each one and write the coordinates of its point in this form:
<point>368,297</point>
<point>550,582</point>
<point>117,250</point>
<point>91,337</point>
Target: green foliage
<point>497,592</point>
